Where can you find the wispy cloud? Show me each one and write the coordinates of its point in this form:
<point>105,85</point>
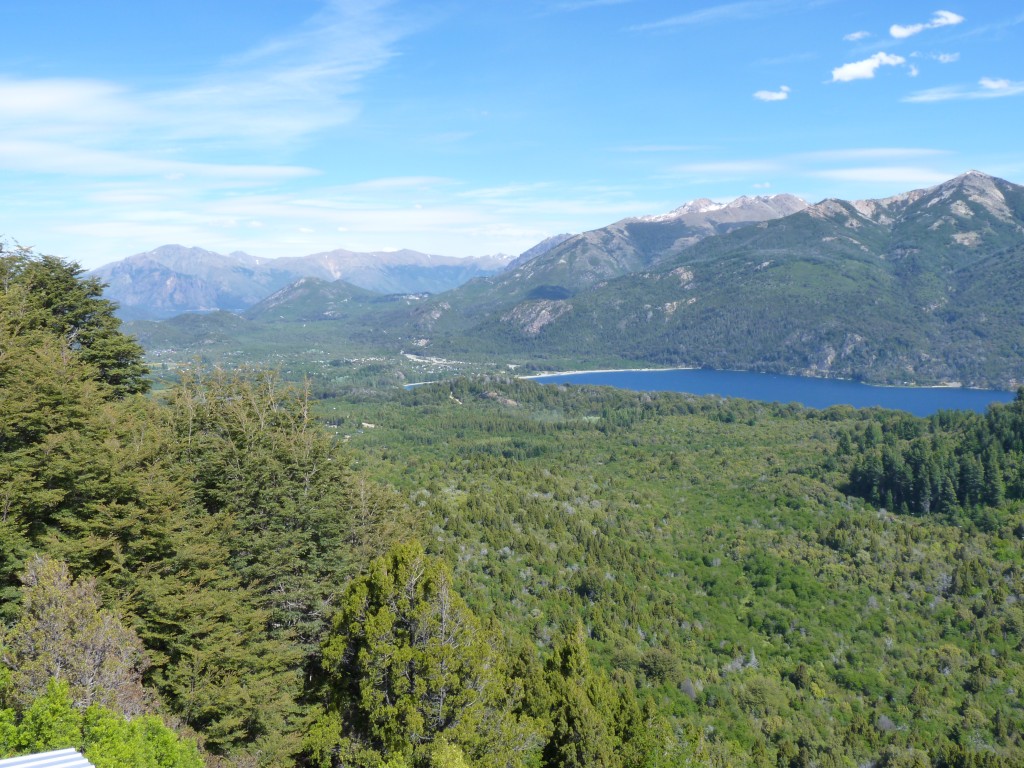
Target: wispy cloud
<point>940,19</point>
<point>729,168</point>
<point>865,69</point>
<point>853,37</point>
<point>67,159</point>
<point>902,167</point>
<point>987,88</point>
<point>582,5</point>
<point>869,153</point>
<point>946,58</point>
<point>435,214</point>
<point>904,175</point>
<point>780,95</point>
<point>661,148</point>
<point>1001,85</point>
<point>747,9</point>
<point>276,94</point>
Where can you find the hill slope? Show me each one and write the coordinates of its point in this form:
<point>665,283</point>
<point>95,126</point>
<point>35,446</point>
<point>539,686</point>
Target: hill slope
<point>586,259</point>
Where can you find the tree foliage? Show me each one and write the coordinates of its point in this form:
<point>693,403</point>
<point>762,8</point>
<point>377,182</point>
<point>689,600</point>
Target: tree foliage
<point>48,294</point>
<point>65,634</point>
<point>411,675</point>
<point>52,721</point>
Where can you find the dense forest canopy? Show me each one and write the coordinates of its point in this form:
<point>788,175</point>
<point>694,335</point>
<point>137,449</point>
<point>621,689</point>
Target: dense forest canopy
<point>488,572</point>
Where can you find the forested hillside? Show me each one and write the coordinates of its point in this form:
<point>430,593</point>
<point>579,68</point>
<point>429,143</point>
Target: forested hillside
<point>922,287</point>
<point>488,572</point>
<point>714,551</point>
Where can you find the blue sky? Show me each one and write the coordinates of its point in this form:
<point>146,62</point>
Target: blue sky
<point>467,127</point>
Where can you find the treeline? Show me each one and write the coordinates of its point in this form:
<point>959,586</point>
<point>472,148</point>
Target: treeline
<point>957,464</point>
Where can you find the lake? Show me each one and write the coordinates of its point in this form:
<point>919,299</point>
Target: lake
<point>814,393</point>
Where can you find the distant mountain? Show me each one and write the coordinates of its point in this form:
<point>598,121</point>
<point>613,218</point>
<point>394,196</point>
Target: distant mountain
<point>173,279</point>
<point>922,287</point>
<point>402,271</point>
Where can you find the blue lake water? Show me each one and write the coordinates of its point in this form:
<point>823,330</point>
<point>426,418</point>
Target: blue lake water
<point>814,393</point>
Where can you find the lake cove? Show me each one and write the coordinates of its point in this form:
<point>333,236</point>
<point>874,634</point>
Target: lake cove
<point>769,387</point>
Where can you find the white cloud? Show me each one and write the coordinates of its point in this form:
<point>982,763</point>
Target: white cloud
<point>991,84</point>
<point>730,168</point>
<point>662,148</point>
<point>870,153</point>
<point>947,58</point>
<point>67,159</point>
<point>855,36</point>
<point>865,70</point>
<point>940,19</point>
<point>988,88</point>
<point>581,5</point>
<point>780,95</point>
<point>908,175</point>
<point>442,215</point>
<point>913,71</point>
<point>274,95</point>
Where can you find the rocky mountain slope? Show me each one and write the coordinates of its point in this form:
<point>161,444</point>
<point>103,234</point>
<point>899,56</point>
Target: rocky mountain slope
<point>920,287</point>
<point>626,246</point>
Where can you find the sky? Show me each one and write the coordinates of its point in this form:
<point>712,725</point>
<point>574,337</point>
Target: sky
<point>473,127</point>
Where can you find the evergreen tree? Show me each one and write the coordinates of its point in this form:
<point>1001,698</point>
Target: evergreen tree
<point>583,707</point>
<point>408,667</point>
<point>214,663</point>
<point>300,521</point>
<point>45,293</point>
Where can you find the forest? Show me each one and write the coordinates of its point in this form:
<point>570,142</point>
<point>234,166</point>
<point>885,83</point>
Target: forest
<point>237,570</point>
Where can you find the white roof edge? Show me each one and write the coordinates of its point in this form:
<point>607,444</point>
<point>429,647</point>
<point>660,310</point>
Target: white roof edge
<point>59,758</point>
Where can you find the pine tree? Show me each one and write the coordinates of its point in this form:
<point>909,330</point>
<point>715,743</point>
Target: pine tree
<point>300,521</point>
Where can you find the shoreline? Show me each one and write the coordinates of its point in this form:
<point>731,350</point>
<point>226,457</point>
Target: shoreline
<point>954,385</point>
<point>605,370</point>
<point>946,385</point>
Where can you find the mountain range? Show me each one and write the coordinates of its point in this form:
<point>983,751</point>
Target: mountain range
<point>921,287</point>
<point>173,279</point>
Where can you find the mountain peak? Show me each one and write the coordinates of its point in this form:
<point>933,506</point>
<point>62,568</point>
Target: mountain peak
<point>973,180</point>
<point>700,205</point>
<point>767,207</point>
